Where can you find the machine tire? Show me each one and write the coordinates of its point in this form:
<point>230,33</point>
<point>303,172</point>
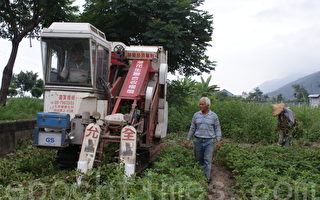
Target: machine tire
<point>68,157</point>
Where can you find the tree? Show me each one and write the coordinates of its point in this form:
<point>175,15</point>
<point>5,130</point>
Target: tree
<point>180,90</point>
<point>39,83</point>
<point>37,90</point>
<point>300,93</point>
<point>204,89</point>
<point>221,96</point>
<point>25,81</point>
<point>178,25</point>
<point>265,97</point>
<point>12,88</point>
<point>256,95</point>
<point>22,18</point>
<point>279,98</point>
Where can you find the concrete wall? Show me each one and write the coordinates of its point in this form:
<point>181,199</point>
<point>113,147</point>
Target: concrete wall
<point>314,101</point>
<point>12,132</point>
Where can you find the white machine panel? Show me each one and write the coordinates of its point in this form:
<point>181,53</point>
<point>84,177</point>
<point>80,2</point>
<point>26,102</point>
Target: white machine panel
<point>89,147</point>
<point>162,126</point>
<point>128,148</point>
<point>69,102</point>
<point>115,119</point>
<point>163,71</point>
<point>50,139</point>
<point>102,106</point>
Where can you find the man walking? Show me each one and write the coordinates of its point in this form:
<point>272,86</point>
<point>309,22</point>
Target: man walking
<point>205,127</point>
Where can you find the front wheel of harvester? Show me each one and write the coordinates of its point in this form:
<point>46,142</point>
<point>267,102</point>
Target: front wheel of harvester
<point>68,157</point>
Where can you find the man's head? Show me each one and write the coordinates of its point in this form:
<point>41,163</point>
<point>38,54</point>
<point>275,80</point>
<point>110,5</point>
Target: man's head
<point>277,109</point>
<point>204,104</point>
<point>77,52</point>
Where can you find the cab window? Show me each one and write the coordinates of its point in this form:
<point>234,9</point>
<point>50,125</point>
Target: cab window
<point>67,61</point>
<point>102,66</point>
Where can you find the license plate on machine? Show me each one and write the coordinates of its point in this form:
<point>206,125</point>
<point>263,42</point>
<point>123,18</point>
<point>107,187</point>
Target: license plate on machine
<point>50,139</point>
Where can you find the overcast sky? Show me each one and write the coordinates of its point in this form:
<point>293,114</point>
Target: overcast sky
<point>253,41</point>
<point>259,40</point>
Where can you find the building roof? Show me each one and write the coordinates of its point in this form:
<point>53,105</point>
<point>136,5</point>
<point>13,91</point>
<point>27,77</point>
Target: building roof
<point>227,92</point>
<point>70,27</point>
<point>314,96</point>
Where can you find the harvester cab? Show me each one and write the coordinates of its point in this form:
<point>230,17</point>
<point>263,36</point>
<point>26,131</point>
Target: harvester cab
<point>99,92</point>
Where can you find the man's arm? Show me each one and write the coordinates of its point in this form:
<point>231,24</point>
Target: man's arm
<point>65,70</point>
<point>64,73</point>
<point>191,131</point>
<point>217,129</point>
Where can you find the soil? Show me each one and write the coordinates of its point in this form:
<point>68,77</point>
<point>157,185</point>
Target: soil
<point>221,182</point>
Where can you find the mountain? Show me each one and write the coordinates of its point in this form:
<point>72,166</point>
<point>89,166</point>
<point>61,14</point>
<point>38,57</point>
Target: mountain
<point>272,85</point>
<point>310,82</point>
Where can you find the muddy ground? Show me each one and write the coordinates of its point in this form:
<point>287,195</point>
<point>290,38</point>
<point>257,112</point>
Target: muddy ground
<point>220,186</point>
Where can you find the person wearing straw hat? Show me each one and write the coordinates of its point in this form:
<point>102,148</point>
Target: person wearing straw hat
<point>286,121</point>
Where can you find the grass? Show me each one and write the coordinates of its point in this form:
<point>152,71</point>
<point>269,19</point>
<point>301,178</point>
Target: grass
<point>21,108</point>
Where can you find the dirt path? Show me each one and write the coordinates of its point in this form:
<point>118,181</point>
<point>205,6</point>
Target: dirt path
<point>221,183</point>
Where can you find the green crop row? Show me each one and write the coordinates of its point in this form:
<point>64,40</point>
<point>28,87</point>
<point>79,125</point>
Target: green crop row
<point>31,174</point>
<point>272,172</point>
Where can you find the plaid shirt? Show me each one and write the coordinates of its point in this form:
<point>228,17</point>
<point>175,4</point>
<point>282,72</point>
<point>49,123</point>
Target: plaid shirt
<point>205,126</point>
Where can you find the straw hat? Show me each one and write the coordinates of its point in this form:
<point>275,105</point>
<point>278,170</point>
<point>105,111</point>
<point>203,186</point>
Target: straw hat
<point>277,109</point>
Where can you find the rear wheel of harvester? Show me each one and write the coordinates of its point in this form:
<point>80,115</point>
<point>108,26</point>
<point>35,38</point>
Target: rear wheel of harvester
<point>68,157</point>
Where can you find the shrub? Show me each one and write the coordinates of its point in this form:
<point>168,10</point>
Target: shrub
<point>308,120</point>
<point>272,172</point>
<point>248,122</point>
<point>180,117</point>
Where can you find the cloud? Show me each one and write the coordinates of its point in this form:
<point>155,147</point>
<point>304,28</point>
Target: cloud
<point>284,11</point>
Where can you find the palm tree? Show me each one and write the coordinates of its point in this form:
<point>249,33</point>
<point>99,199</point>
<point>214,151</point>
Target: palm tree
<point>180,90</point>
<point>204,88</point>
